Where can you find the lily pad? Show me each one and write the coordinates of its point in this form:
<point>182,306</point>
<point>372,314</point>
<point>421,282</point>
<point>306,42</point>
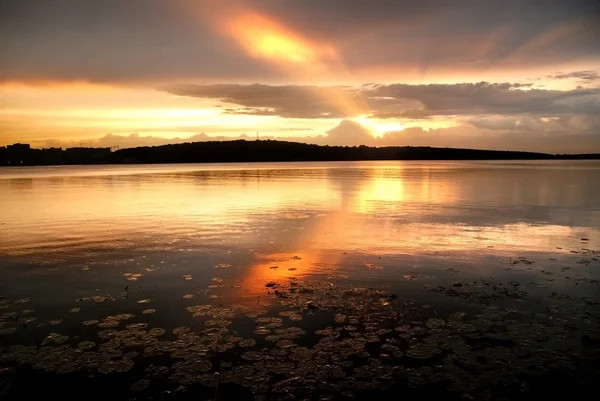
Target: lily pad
<point>156,370</point>
<point>21,301</point>
<point>137,326</point>
<point>435,323</point>
<point>109,323</point>
<point>85,345</point>
<point>140,385</point>
<point>247,342</point>
<point>156,332</point>
<point>55,338</point>
<point>253,356</point>
<point>339,318</point>
<point>181,330</point>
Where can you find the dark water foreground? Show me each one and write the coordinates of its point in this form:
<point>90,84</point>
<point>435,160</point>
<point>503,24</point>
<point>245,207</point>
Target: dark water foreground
<point>315,340</point>
<point>466,281</point>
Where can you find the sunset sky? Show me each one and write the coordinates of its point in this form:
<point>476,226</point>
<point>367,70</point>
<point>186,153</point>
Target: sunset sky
<point>513,74</point>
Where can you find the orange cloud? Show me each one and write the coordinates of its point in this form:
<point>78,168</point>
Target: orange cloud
<point>265,38</point>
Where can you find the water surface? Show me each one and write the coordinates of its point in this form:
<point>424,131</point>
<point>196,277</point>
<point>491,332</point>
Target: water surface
<point>219,232</point>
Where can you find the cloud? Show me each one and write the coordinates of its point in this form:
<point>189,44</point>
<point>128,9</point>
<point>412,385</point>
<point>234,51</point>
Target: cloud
<point>585,76</point>
<point>468,137</point>
<point>133,140</point>
<point>113,41</point>
<point>532,126</point>
<point>158,43</point>
<point>349,133</point>
<point>495,123</point>
<point>487,115</point>
<point>574,134</point>
<point>294,101</point>
<point>168,40</point>
<point>491,98</point>
<point>397,100</point>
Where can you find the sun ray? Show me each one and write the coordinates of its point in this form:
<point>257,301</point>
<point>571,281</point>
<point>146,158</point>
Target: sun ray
<point>294,54</point>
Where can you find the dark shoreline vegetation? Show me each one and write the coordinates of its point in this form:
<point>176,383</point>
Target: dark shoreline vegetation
<point>255,151</point>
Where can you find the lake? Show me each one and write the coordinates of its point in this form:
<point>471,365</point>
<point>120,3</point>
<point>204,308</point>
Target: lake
<point>474,280</point>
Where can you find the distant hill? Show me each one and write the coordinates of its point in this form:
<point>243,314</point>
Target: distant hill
<point>256,151</point>
<point>274,151</point>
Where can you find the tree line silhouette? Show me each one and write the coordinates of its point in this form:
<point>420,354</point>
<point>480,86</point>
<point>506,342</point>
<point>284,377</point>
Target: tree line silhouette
<point>258,151</point>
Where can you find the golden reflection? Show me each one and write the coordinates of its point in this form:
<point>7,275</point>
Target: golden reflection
<point>306,219</point>
<point>387,212</point>
<point>281,265</point>
<point>323,244</point>
<point>390,189</point>
<point>379,190</point>
<point>312,256</point>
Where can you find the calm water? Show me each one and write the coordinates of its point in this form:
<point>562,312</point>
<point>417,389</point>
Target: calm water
<point>217,232</point>
<point>405,217</point>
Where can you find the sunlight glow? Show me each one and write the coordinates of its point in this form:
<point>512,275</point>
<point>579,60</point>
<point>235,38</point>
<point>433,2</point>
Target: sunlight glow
<point>297,56</point>
<point>378,127</point>
<point>264,38</point>
<point>382,128</point>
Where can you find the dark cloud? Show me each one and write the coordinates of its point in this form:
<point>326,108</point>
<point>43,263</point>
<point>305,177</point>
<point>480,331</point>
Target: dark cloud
<point>532,125</point>
<point>165,40</point>
<point>586,76</point>
<point>495,123</point>
<point>412,114</point>
<point>439,33</point>
<point>114,41</point>
<point>397,100</point>
<point>463,137</point>
<point>294,101</point>
<point>487,98</point>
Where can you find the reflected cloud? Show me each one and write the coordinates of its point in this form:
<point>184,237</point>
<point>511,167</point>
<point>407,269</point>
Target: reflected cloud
<point>416,212</point>
<point>327,214</point>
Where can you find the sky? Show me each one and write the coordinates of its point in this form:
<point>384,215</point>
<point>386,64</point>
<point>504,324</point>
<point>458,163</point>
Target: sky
<point>484,74</point>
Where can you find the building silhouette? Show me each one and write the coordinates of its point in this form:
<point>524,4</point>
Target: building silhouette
<point>20,154</point>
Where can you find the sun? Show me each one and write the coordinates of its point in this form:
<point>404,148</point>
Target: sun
<point>382,128</point>
<point>378,128</point>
